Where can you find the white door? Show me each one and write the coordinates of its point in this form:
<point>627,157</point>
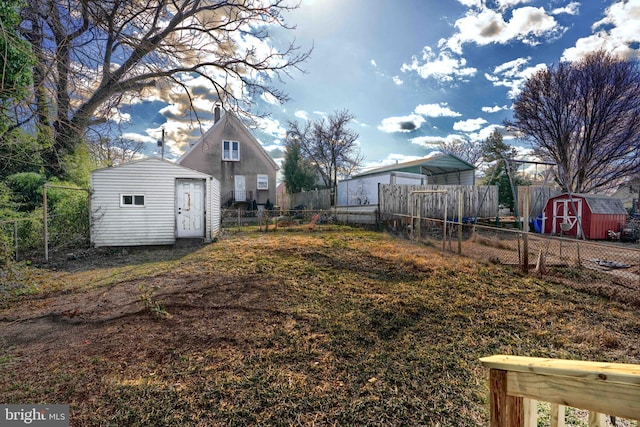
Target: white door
<point>190,207</point>
<point>567,212</point>
<point>240,194</point>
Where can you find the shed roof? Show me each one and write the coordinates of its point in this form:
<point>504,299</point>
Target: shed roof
<point>437,164</point>
<point>599,204</point>
<point>163,163</point>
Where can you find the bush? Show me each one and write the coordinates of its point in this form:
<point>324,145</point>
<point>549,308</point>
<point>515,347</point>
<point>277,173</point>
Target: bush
<point>27,190</point>
<point>68,218</point>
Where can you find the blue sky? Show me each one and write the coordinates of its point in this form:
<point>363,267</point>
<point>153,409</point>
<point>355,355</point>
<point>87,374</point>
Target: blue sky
<point>415,72</point>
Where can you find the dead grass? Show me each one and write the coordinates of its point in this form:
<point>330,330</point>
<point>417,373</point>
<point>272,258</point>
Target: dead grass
<point>333,327</point>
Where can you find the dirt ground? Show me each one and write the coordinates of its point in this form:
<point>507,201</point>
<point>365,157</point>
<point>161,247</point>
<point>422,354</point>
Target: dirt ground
<point>85,317</point>
<point>335,323</point>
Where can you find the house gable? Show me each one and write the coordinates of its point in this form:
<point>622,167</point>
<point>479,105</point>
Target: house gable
<point>251,160</point>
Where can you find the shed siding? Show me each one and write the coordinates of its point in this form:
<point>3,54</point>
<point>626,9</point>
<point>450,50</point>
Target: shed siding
<point>153,224</point>
<point>213,213</point>
<point>599,215</point>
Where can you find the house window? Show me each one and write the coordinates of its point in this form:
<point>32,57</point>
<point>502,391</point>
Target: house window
<point>263,182</point>
<point>131,200</point>
<point>231,151</point>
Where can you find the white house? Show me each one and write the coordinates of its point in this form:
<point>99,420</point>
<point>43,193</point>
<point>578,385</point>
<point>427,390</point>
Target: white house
<point>152,202</point>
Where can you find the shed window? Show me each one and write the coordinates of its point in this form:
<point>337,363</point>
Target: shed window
<point>231,151</point>
<point>132,200</point>
<point>263,182</point>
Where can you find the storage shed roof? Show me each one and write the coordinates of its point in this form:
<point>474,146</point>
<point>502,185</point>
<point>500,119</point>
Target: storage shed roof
<point>598,204</point>
<point>433,165</point>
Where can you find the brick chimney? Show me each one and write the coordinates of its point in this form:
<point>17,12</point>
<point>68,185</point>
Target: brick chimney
<point>216,113</point>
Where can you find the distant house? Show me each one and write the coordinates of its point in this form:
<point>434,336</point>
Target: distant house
<point>152,202</point>
<point>230,153</point>
<point>629,193</point>
<point>439,169</point>
<point>588,215</point>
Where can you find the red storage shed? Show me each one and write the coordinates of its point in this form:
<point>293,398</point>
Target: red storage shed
<point>596,214</point>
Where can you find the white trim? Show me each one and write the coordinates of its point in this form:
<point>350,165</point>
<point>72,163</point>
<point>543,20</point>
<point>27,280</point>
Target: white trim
<point>133,203</point>
<point>227,155</point>
<point>262,181</point>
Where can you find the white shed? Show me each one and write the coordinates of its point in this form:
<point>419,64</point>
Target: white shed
<point>152,202</point>
<point>436,169</point>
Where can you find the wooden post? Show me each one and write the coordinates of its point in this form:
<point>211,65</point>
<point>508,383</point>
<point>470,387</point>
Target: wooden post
<point>557,415</point>
<point>525,229</point>
<point>444,223</point>
<point>460,222</point>
<point>46,231</point>
<point>419,232</point>
<point>506,411</point>
<point>15,239</point>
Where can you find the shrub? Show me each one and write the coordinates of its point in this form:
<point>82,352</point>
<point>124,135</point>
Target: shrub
<point>27,190</point>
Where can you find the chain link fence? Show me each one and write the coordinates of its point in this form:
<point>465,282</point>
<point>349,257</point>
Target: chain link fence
<point>68,231</point>
<point>609,269</point>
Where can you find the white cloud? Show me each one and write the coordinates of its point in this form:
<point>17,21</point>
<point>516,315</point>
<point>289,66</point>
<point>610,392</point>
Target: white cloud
<point>397,80</point>
<point>528,24</point>
<point>616,33</point>
<point>401,124</point>
<point>270,99</point>
<point>436,110</point>
<point>570,9</point>
<point>484,133</point>
<point>443,66</point>
<point>271,127</point>
<point>373,62</point>
<point>471,3</point>
<point>140,138</point>
<point>301,114</point>
<point>494,109</point>
<point>507,4</point>
<point>512,74</point>
<point>469,125</point>
<point>391,159</point>
<point>433,142</point>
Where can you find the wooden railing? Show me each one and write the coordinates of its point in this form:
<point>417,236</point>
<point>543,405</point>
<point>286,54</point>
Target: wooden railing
<point>517,383</point>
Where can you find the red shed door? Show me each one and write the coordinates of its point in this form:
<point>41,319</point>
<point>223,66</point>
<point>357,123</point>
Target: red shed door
<point>567,212</point>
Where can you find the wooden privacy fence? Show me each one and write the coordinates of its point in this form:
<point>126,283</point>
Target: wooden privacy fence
<point>478,201</point>
<point>517,383</point>
<point>313,199</point>
<point>538,196</point>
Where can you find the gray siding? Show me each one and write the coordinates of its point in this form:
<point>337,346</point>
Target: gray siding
<point>206,156</point>
<point>153,224</point>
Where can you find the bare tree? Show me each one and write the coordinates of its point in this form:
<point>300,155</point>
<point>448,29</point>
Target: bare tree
<point>107,152</point>
<point>465,149</point>
<point>93,56</point>
<point>330,146</point>
<point>585,117</point>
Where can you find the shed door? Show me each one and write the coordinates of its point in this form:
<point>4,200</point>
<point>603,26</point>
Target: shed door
<point>190,207</point>
<point>567,212</point>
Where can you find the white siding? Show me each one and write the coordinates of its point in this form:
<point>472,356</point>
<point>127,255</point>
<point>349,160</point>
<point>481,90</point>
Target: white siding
<point>364,190</point>
<point>214,207</point>
<point>153,224</point>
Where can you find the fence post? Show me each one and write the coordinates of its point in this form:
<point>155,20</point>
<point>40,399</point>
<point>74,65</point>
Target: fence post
<point>444,223</point>
<point>506,411</point>
<point>525,229</point>
<point>15,239</point>
<point>460,222</point>
<point>46,231</point>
